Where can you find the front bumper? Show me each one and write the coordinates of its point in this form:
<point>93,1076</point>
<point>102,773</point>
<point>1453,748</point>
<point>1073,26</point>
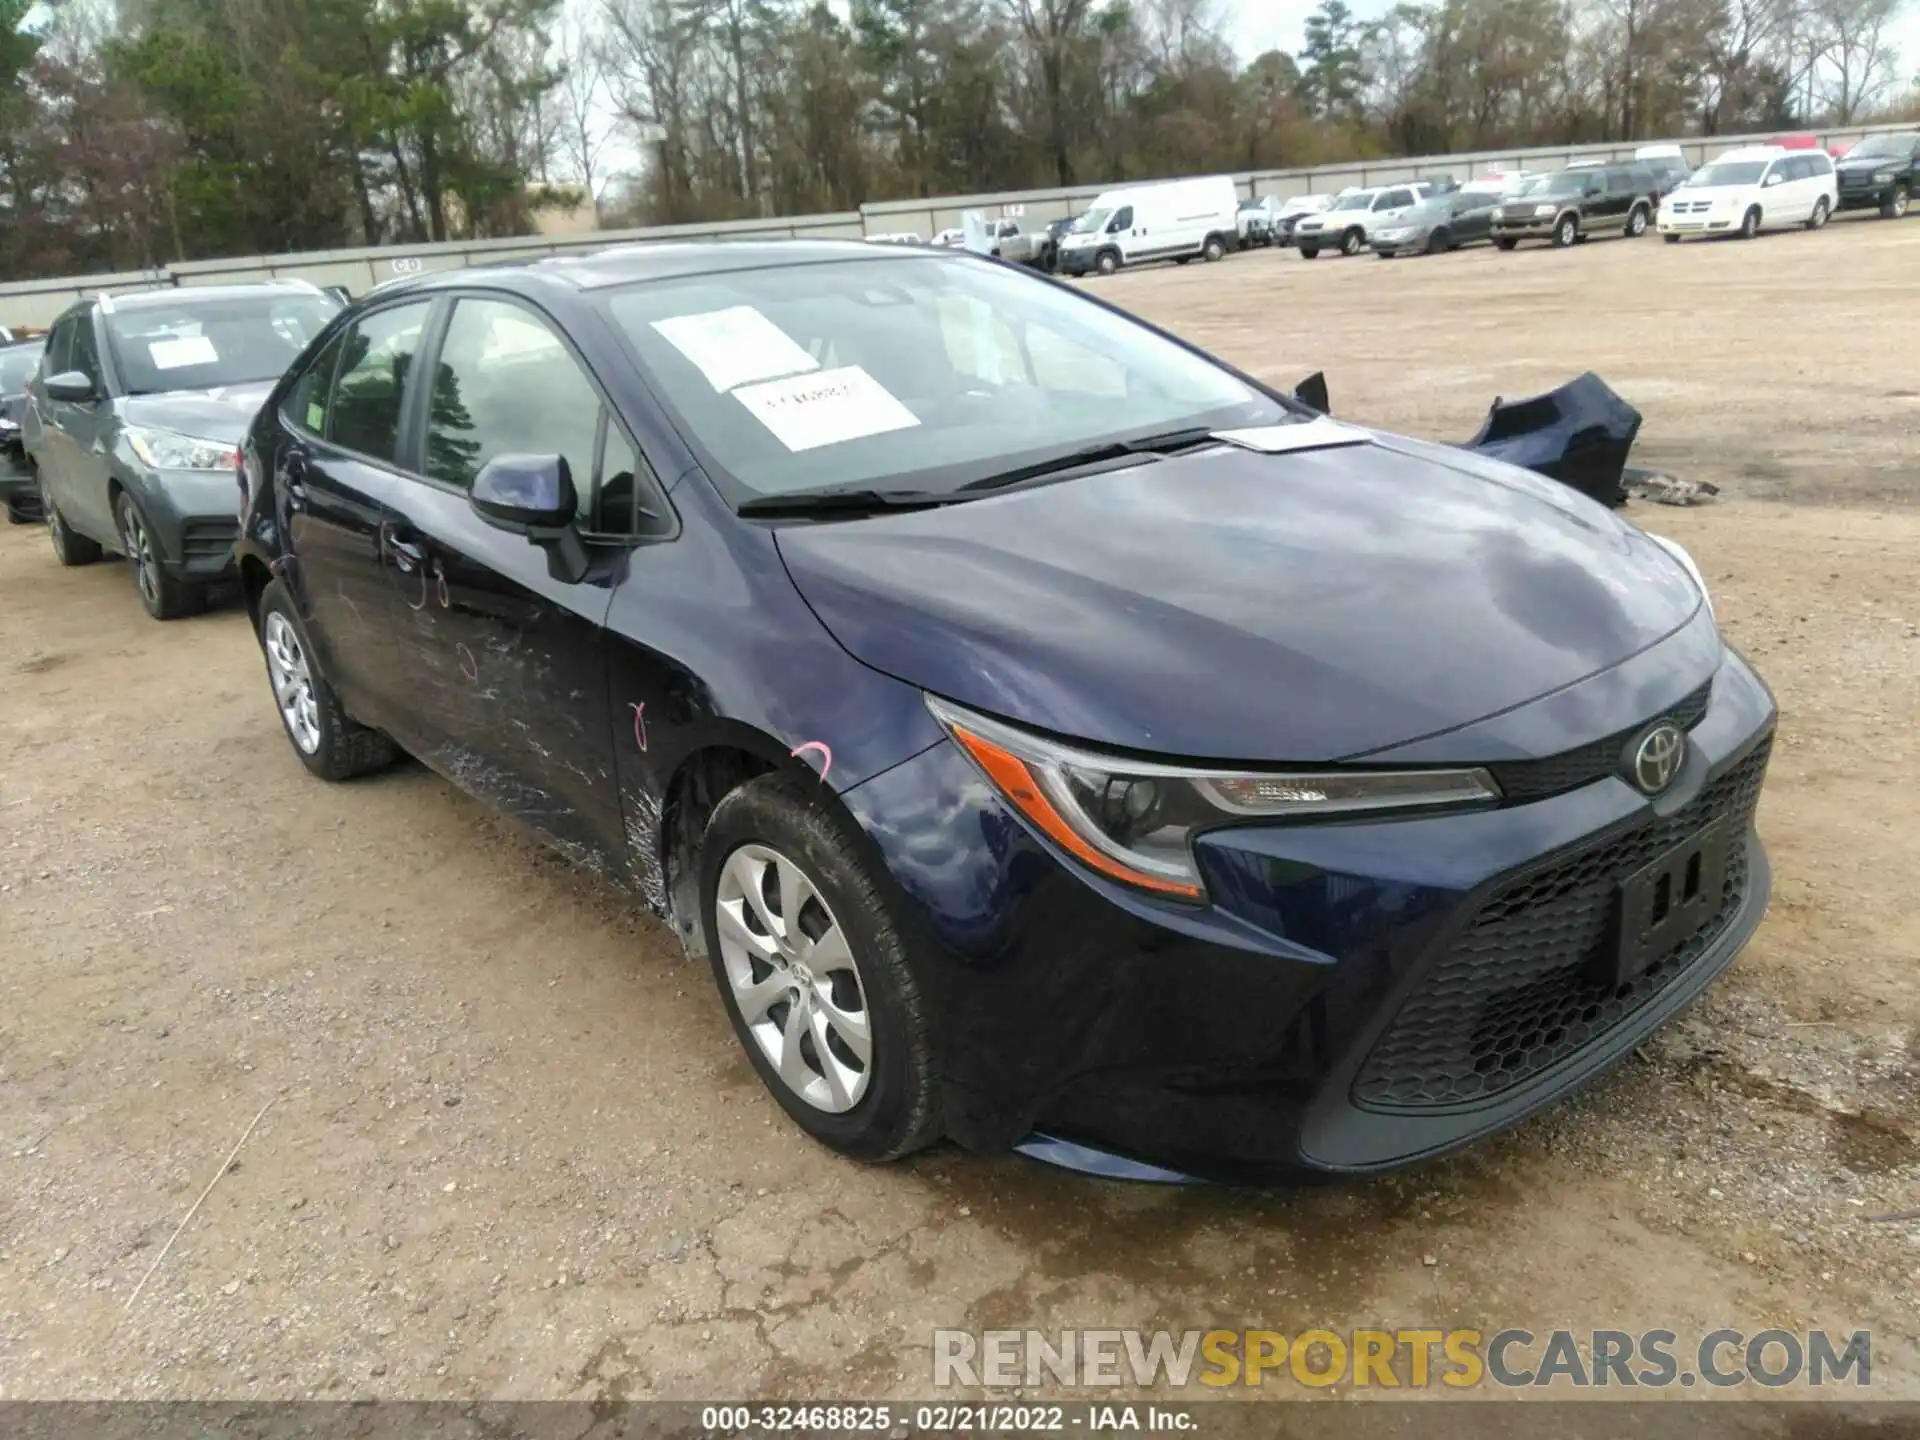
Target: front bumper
<point>1355,997</point>
<point>1528,229</point>
<point>193,517</point>
<point>1864,195</point>
<point>1402,245</point>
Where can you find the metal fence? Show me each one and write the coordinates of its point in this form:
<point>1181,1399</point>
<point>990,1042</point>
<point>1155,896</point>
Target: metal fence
<point>37,302</point>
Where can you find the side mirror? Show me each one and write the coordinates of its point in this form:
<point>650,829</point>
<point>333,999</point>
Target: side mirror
<point>533,495</point>
<point>1774,179</point>
<point>72,386</point>
<point>1312,393</point>
<point>1591,191</point>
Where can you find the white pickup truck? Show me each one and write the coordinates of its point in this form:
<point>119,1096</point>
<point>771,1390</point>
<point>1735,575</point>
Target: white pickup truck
<point>1346,224</point>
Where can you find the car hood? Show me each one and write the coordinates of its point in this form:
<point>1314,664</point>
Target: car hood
<point>1231,605</point>
<point>223,413</point>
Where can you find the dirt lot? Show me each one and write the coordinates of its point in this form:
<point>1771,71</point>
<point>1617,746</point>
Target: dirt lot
<point>512,1151</point>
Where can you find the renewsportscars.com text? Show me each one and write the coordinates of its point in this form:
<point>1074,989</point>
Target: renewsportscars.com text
<point>1410,1359</point>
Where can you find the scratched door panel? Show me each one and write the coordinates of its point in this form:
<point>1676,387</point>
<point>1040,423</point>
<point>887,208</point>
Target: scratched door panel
<point>505,671</point>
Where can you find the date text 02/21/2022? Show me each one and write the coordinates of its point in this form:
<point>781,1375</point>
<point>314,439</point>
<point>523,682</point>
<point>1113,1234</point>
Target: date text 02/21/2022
<point>1097,1419</point>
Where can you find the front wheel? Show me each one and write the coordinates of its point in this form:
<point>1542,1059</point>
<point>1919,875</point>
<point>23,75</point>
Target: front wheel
<point>1821,212</point>
<point>1671,239</point>
<point>165,596</point>
<point>1213,250</point>
<point>1566,232</point>
<point>1637,223</point>
<point>1750,223</point>
<point>811,957</point>
<point>1505,242</point>
<point>1106,262</point>
<point>1306,254</point>
<point>1351,242</point>
<point>329,743</point>
<point>1895,205</point>
<point>1439,242</point>
<point>70,547</point>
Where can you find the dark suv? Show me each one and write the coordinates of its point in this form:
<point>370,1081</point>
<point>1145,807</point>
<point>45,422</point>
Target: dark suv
<point>1572,204</point>
<point>134,419</point>
<point>1881,172</point>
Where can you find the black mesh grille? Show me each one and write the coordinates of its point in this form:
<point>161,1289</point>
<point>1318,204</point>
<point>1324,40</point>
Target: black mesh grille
<point>1523,780</point>
<point>1521,988</point>
<point>208,539</point>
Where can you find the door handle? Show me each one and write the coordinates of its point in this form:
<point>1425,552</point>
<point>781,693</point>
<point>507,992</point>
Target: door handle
<point>408,555</point>
<point>293,473</point>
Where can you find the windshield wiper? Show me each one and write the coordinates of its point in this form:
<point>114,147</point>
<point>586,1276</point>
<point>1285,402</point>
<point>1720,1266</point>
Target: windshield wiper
<point>1165,443</point>
<point>824,502</point>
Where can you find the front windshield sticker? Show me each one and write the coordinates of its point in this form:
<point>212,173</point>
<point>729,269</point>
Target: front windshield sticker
<point>178,353</point>
<point>735,346</point>
<point>805,412</point>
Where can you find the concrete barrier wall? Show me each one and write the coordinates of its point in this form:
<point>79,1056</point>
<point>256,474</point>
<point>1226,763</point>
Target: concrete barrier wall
<point>38,302</point>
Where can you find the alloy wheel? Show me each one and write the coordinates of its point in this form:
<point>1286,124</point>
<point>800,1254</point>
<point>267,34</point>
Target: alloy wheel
<point>1901,200</point>
<point>139,546</point>
<point>1820,212</point>
<point>292,681</point>
<point>794,979</point>
<point>56,527</point>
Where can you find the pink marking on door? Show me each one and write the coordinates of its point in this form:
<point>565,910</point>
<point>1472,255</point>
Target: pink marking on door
<point>639,724</point>
<point>826,755</point>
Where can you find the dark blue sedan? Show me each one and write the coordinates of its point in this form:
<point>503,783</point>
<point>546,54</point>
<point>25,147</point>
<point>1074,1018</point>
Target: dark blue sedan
<point>1050,736</point>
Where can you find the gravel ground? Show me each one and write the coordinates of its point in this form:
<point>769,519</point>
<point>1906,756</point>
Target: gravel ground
<point>508,1148</point>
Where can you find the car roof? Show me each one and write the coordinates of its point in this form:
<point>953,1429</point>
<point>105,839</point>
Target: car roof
<point>1751,152</point>
<point>644,260</point>
<point>172,295</point>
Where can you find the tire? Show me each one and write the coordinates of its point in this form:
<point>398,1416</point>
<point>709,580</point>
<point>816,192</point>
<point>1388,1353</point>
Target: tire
<point>1182,259</point>
<point>1505,242</point>
<point>1750,223</point>
<point>1894,207</point>
<point>876,1108</point>
<point>335,747</point>
<point>165,596</point>
<point>1306,254</point>
<point>1439,242</point>
<point>1566,231</point>
<point>1637,222</point>
<point>69,546</point>
<point>1671,239</point>
<point>1353,241</point>
<point>1821,213</point>
<point>1213,250</point>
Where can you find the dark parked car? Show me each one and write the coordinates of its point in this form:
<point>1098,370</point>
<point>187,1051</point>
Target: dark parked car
<point>1041,729</point>
<point>1880,172</point>
<point>135,418</point>
<point>19,491</point>
<point>1439,223</point>
<point>1571,204</point>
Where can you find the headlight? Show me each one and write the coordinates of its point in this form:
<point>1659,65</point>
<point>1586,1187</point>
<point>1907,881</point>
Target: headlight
<point>170,450</point>
<point>1134,820</point>
<point>1882,177</point>
<point>1678,551</point>
<point>1499,212</point>
<point>1543,210</point>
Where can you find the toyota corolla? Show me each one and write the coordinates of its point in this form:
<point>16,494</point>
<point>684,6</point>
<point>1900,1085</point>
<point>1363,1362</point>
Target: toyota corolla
<point>1049,736</point>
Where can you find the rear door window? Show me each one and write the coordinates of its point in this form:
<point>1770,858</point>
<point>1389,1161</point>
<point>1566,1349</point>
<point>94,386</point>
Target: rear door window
<point>364,413</point>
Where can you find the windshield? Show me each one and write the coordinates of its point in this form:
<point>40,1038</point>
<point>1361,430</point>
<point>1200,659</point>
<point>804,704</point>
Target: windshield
<point>1354,202</point>
<point>198,343</point>
<point>920,374</point>
<point>17,363</point>
<point>1253,204</point>
<point>1747,172</point>
<point>1092,221</point>
<point>1876,146</point>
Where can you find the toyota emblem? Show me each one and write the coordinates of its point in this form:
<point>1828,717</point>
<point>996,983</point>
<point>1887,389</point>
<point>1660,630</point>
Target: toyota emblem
<point>1656,757</point>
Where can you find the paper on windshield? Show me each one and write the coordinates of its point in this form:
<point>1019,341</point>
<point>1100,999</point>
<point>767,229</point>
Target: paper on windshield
<point>177,354</point>
<point>805,412</point>
<point>735,347</point>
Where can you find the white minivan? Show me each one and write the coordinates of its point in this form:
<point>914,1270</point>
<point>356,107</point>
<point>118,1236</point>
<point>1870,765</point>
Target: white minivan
<point>1762,187</point>
<point>1173,220</point>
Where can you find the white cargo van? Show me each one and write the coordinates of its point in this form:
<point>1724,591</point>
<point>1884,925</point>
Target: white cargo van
<point>1171,220</point>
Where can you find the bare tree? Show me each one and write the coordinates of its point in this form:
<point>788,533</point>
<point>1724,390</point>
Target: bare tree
<point>1856,59</point>
<point>582,103</point>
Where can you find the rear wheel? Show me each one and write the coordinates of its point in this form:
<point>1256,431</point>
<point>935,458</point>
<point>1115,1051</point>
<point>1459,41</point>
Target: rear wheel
<point>1505,242</point>
<point>328,742</point>
<point>1637,222</point>
<point>1750,223</point>
<point>1352,241</point>
<point>1306,254</point>
<point>1566,231</point>
<point>69,546</point>
<point>810,953</point>
<point>1821,210</point>
<point>1895,205</point>
<point>165,596</point>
